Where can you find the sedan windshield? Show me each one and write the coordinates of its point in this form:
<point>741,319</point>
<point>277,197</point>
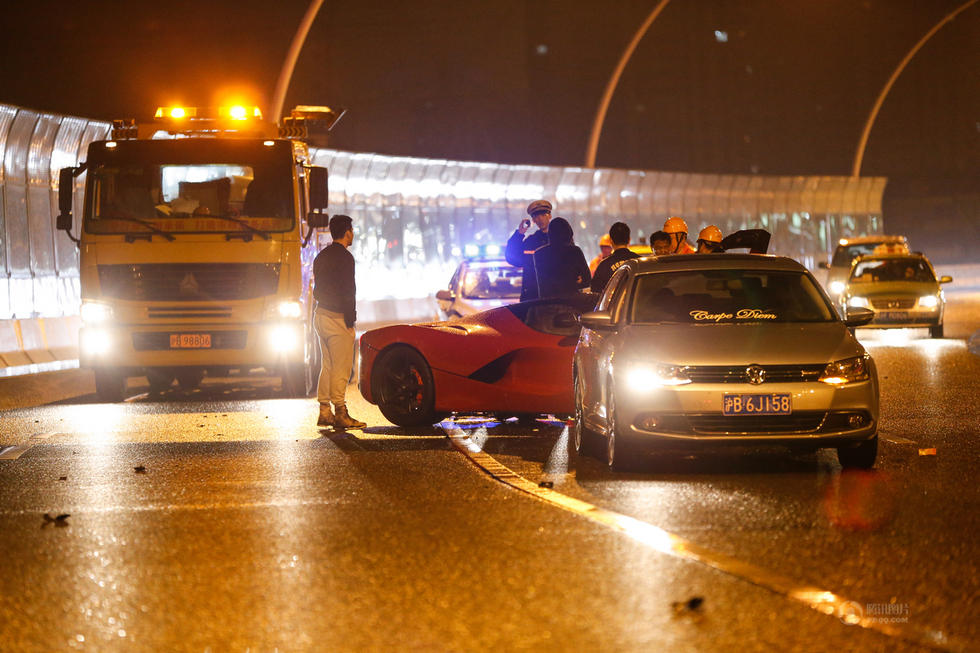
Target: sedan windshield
<point>728,297</point>
<point>498,281</point>
<point>895,269</point>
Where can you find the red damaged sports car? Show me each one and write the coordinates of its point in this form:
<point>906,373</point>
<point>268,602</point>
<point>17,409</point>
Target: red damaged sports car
<point>510,360</point>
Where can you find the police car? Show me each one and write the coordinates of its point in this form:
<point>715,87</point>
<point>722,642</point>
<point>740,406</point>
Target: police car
<point>484,280</point>
<point>902,290</point>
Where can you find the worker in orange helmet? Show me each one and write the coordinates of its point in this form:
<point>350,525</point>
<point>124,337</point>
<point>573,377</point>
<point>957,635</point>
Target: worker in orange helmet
<point>676,228</point>
<point>709,240</point>
<point>605,249</point>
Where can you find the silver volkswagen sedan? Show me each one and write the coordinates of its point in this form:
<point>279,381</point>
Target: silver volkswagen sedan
<point>721,349</point>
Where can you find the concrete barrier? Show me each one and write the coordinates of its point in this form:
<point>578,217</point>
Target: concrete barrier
<point>38,340</point>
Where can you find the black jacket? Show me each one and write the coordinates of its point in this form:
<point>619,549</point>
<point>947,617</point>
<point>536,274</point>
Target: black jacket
<point>560,266</point>
<point>333,281</point>
<point>518,253</point>
<point>608,265</point>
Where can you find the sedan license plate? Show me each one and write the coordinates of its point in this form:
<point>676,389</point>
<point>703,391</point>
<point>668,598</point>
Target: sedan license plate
<point>190,340</point>
<point>771,404</point>
<point>892,316</point>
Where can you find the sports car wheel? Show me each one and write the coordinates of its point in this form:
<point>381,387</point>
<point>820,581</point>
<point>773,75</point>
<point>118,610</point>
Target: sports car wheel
<point>620,450</point>
<point>861,456</point>
<point>404,388</point>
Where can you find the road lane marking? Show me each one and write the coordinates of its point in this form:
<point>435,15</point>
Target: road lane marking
<point>13,452</point>
<point>654,537</point>
<point>897,440</point>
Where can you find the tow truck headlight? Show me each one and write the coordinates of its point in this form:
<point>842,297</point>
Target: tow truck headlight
<point>290,310</point>
<point>928,301</point>
<point>283,338</point>
<point>858,302</point>
<point>646,377</point>
<point>848,370</point>
<point>95,312</point>
<point>837,287</point>
<point>95,342</point>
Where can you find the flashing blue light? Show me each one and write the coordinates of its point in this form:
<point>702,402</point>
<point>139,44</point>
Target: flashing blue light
<point>472,250</point>
<point>493,250</point>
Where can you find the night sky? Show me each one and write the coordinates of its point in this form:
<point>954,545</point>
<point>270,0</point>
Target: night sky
<point>716,86</point>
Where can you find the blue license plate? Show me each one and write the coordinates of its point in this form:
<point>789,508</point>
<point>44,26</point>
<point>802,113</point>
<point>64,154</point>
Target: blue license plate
<point>771,404</point>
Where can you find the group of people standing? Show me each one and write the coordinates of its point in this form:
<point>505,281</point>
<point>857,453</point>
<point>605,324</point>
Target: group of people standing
<point>553,265</point>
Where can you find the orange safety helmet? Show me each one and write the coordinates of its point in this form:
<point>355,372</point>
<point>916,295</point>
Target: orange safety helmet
<point>710,234</point>
<point>605,241</point>
<point>675,225</point>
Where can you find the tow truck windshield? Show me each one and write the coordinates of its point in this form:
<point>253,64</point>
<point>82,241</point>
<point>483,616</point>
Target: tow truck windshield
<point>166,187</point>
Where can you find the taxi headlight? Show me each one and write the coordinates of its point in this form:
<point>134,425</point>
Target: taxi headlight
<point>928,301</point>
<point>646,377</point>
<point>95,312</point>
<point>858,302</point>
<point>837,287</point>
<point>848,370</point>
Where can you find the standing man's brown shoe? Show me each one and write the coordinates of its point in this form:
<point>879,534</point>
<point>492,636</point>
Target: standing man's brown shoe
<point>344,421</point>
<point>326,416</point>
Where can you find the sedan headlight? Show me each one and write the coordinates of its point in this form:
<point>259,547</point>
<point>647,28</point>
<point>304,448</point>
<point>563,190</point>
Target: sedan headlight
<point>646,377</point>
<point>95,312</point>
<point>837,287</point>
<point>858,302</point>
<point>848,370</point>
<point>928,301</point>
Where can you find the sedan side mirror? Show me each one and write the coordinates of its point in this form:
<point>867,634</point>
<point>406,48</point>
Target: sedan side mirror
<point>823,265</point>
<point>858,316</point>
<point>945,279</point>
<point>445,295</point>
<point>598,321</point>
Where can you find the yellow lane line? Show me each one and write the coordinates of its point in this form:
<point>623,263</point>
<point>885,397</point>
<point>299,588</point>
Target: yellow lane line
<point>824,601</point>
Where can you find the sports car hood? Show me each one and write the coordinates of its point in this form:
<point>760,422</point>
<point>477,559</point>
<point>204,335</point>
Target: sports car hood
<point>737,344</point>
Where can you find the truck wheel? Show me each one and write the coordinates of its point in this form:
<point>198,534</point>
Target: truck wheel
<point>936,331</point>
<point>300,379</point>
<point>110,385</point>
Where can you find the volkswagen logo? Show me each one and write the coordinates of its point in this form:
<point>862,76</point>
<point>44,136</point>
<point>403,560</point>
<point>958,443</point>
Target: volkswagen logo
<point>755,374</point>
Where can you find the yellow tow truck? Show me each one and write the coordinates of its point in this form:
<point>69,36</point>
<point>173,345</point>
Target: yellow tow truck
<point>197,240</point>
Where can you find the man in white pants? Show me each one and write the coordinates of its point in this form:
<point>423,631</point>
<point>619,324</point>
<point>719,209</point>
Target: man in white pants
<point>334,290</point>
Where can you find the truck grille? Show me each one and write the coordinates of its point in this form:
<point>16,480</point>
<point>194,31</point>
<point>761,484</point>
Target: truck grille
<point>189,281</point>
<point>736,373</point>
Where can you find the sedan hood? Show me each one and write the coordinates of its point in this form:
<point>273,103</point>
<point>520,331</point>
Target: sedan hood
<point>736,344</point>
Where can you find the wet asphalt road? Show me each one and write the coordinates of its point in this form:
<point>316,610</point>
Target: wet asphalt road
<point>224,520</point>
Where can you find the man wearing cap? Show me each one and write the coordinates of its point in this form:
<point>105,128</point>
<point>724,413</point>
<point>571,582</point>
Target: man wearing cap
<point>334,290</point>
<point>520,250</point>
<point>676,228</point>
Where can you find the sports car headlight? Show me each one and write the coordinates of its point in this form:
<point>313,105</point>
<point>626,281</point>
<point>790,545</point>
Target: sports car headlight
<point>928,301</point>
<point>848,370</point>
<point>837,287</point>
<point>858,302</point>
<point>95,312</point>
<point>646,377</point>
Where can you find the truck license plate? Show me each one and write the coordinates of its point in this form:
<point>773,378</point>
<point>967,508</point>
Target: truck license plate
<point>771,404</point>
<point>190,340</point>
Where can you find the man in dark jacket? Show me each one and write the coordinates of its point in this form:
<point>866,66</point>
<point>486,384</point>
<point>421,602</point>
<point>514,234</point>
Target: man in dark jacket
<point>560,266</point>
<point>620,235</point>
<point>520,249</point>
<point>334,291</point>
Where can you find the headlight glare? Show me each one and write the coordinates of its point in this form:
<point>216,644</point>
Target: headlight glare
<point>95,312</point>
<point>290,310</point>
<point>837,287</point>
<point>645,377</point>
<point>858,302</point>
<point>848,370</point>
<point>928,301</point>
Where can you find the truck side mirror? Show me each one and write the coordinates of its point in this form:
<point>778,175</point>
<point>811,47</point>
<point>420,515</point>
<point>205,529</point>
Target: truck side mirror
<point>66,187</point>
<point>319,192</point>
